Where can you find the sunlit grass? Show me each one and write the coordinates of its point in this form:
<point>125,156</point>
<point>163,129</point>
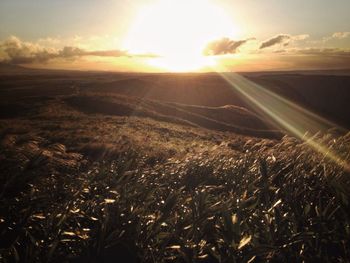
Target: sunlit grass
<point>285,114</point>
<point>271,203</point>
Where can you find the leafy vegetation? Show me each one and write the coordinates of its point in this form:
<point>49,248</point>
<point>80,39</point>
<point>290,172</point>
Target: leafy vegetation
<point>273,201</point>
<point>87,176</point>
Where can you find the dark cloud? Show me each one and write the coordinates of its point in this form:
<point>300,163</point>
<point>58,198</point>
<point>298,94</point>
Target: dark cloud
<point>224,46</point>
<point>16,51</point>
<point>279,39</point>
<point>280,51</point>
<point>70,52</point>
<point>282,39</point>
<point>107,53</point>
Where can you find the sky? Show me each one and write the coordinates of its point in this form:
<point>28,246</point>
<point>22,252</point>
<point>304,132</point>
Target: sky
<point>176,35</point>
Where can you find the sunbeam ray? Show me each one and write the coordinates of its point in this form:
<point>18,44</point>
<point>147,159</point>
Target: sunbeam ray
<point>285,114</point>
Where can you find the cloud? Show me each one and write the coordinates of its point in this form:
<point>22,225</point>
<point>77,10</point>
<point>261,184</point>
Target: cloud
<point>49,41</point>
<point>282,39</point>
<point>70,52</point>
<point>107,53</point>
<point>325,52</point>
<point>336,36</point>
<point>224,46</point>
<point>319,52</point>
<point>17,51</point>
<point>300,37</point>
<point>279,39</point>
<point>341,35</point>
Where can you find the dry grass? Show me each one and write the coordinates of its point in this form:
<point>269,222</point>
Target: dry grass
<point>149,186</point>
<point>224,199</point>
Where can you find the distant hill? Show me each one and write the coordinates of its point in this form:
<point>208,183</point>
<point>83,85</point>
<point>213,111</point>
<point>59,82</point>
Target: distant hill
<point>227,118</point>
<point>6,68</point>
<point>326,95</point>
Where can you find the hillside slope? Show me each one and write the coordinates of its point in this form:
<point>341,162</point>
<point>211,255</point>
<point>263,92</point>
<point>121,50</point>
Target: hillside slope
<point>227,118</point>
<point>92,176</point>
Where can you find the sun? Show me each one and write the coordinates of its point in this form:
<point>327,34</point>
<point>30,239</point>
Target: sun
<point>178,31</point>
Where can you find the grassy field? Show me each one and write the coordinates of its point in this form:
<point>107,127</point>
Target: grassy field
<point>126,180</point>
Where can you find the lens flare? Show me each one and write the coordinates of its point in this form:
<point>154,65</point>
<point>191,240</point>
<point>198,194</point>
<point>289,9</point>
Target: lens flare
<point>285,114</point>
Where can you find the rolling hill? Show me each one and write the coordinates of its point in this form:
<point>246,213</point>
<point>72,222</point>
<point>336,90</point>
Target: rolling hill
<point>98,167</point>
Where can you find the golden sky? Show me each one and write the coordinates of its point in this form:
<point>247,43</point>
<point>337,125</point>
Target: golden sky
<point>176,35</point>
